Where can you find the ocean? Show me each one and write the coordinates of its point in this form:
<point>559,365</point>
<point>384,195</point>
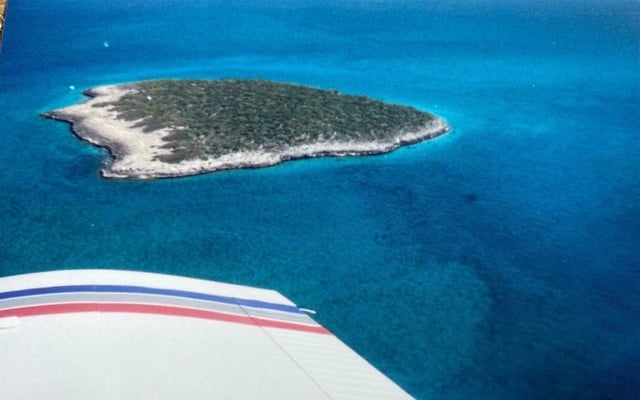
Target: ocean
<point>500,261</point>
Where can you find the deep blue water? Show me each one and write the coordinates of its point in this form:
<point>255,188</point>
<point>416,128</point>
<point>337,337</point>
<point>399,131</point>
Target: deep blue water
<point>501,261</point>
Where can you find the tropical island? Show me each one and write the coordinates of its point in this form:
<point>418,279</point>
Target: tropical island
<point>170,128</point>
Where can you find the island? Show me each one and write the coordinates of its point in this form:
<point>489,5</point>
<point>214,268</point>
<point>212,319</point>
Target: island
<point>172,128</point>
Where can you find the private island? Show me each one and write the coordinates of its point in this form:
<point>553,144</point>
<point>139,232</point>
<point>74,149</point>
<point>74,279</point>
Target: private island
<point>171,128</point>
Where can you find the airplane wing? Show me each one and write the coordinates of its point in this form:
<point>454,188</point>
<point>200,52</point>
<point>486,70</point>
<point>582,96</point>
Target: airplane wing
<point>109,334</point>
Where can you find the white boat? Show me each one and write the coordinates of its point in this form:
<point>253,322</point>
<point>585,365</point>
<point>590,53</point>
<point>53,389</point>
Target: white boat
<point>108,334</point>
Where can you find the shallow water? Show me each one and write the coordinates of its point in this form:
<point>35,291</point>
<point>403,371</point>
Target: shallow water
<point>501,261</point>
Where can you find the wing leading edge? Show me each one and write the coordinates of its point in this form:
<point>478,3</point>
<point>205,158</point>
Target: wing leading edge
<point>124,334</point>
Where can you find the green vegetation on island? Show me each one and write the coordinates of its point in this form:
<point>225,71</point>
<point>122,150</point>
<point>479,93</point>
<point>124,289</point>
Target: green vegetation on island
<point>209,118</point>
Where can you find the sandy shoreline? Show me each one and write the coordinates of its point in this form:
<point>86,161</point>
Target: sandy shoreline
<point>134,151</point>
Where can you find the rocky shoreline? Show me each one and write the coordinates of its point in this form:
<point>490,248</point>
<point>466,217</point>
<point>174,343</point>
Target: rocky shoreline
<point>134,152</point>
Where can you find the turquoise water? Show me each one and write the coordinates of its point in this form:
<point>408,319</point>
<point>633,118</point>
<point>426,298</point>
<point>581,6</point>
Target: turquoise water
<point>501,261</point>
